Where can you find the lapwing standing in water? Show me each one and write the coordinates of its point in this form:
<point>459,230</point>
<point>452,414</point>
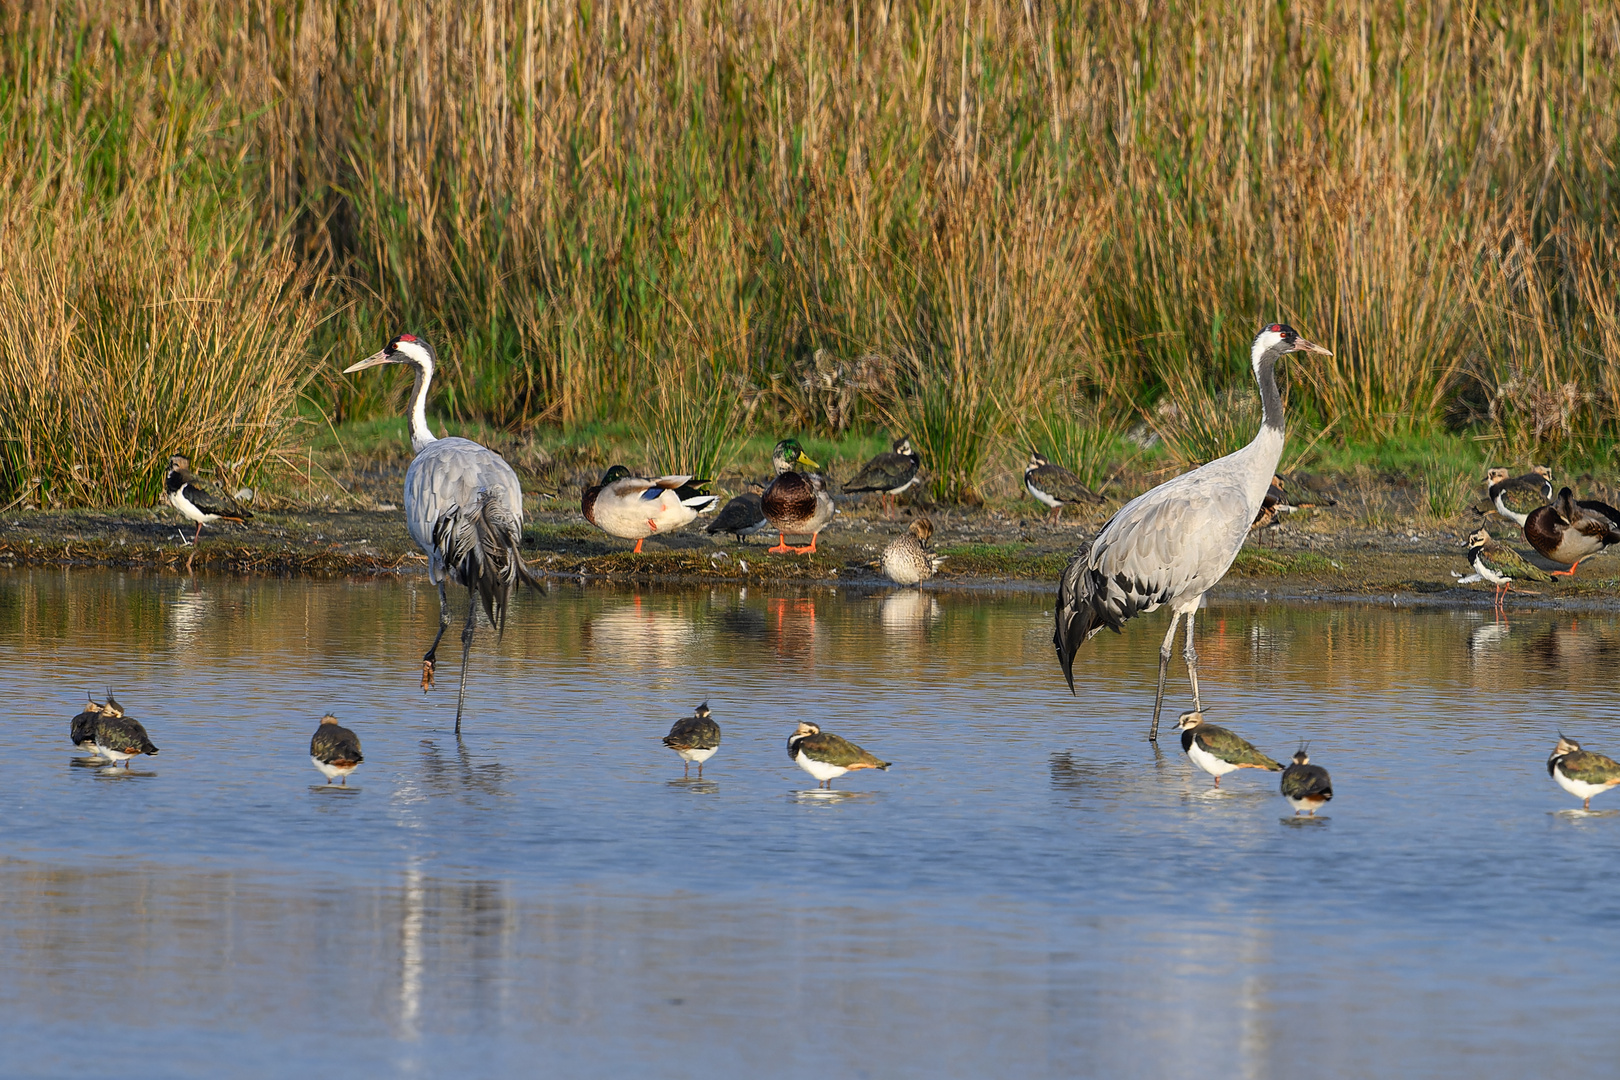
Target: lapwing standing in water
<point>1218,751</point>
<point>335,750</point>
<point>1306,786</point>
<point>83,728</point>
<point>1500,565</point>
<point>1055,486</point>
<point>119,737</point>
<point>907,559</point>
<point>193,500</point>
<point>742,517</point>
<point>695,738</point>
<point>891,473</point>
<point>1580,772</point>
<point>825,756</point>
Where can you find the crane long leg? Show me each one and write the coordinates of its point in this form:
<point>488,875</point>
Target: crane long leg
<point>466,647</point>
<point>1190,655</point>
<point>432,653</point>
<point>1164,665</point>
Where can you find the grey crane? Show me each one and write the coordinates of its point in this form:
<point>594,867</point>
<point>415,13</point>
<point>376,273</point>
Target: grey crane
<point>464,509</point>
<point>1171,544</point>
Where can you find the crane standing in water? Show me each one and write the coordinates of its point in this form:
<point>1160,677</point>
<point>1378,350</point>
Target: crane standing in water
<point>464,509</point>
<point>1171,544</point>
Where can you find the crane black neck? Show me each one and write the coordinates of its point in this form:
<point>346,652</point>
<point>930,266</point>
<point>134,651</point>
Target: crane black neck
<point>1265,372</point>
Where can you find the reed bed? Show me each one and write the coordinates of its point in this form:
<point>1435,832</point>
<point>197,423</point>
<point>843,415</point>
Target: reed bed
<point>991,210</point>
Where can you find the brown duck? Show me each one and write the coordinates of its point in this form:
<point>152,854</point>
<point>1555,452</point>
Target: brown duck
<point>1571,530</point>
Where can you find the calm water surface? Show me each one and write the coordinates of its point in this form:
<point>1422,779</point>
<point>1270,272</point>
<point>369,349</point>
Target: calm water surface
<point>1031,891</point>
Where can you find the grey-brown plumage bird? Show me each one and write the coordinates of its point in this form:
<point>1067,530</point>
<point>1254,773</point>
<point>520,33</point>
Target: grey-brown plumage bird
<point>694,738</point>
<point>119,737</point>
<point>907,559</point>
<point>890,473</point>
<point>1055,486</point>
<point>335,750</point>
<point>826,756</point>
<point>1306,787</point>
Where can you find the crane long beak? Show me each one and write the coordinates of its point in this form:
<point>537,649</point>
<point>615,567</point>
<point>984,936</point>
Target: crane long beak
<point>1301,345</point>
<point>372,361</point>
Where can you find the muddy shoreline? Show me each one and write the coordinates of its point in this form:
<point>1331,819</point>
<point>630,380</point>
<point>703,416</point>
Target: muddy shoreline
<point>1313,554</point>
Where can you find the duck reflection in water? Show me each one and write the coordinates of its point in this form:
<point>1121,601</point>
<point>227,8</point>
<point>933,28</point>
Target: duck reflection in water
<point>790,627</point>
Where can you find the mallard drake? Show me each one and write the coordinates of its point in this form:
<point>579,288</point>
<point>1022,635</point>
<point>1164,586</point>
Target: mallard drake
<point>1580,772</point>
<point>826,756</point>
<point>743,516</point>
<point>335,750</point>
<point>119,737</point>
<point>1499,564</point>
<point>907,559</point>
<point>796,502</point>
<point>1514,497</point>
<point>633,508</point>
<point>694,738</point>
<point>83,726</point>
<point>1306,786</point>
<point>186,495</point>
<point>1571,530</point>
<point>1055,486</point>
<point>1218,751</point>
<point>891,473</point>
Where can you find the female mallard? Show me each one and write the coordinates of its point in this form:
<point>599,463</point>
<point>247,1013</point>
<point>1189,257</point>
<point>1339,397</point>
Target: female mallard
<point>907,559</point>
<point>795,502</point>
<point>1570,529</point>
<point>632,508</point>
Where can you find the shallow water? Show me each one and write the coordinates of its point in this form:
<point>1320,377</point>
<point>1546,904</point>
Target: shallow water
<point>1030,891</point>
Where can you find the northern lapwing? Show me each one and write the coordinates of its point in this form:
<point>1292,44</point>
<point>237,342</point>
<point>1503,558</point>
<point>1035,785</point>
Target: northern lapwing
<point>891,473</point>
<point>1218,751</point>
<point>1572,529</point>
<point>634,508</point>
<point>743,516</point>
<point>119,737</point>
<point>1274,504</point>
<point>1306,786</point>
<point>83,727</point>
<point>826,756</point>
<point>907,559</point>
<point>1055,486</point>
<point>335,750</point>
<point>796,502</point>
<point>1516,497</point>
<point>1580,772</point>
<point>694,738</point>
<point>193,500</point>
<point>1499,564</point>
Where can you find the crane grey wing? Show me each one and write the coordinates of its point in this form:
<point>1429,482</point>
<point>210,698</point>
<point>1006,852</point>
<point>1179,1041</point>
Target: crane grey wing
<point>453,473</point>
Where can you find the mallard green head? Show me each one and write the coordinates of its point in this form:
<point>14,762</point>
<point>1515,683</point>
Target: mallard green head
<point>789,455</point>
<point>618,472</point>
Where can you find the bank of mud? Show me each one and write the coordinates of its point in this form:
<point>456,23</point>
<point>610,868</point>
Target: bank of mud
<point>1312,554</point>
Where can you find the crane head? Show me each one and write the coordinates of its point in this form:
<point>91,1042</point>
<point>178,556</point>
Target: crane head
<point>405,349</point>
<point>1279,338</point>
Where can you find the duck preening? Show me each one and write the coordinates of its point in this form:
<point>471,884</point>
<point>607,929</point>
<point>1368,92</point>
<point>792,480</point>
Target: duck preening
<point>890,473</point>
<point>1582,773</point>
<point>907,559</point>
<point>1055,486</point>
<point>826,756</point>
<point>118,737</point>
<point>187,495</point>
<point>1499,564</point>
<point>634,507</point>
<point>796,502</point>
<point>1216,750</point>
<point>1171,544</point>
<point>694,738</point>
<point>464,509</point>
<point>335,750</point>
<point>1306,787</point>
<point>1571,529</point>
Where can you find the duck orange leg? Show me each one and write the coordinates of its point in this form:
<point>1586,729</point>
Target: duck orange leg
<point>637,551</point>
<point>781,545</point>
<point>1566,573</point>
<point>807,550</point>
